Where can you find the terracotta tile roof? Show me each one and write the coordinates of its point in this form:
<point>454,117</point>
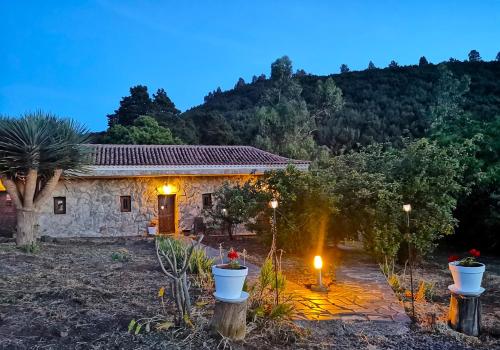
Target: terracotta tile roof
<point>172,155</point>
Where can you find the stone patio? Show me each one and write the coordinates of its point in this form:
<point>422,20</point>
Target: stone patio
<point>360,293</point>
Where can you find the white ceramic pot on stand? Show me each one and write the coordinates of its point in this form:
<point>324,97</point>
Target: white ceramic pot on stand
<point>229,282</point>
<point>467,279</point>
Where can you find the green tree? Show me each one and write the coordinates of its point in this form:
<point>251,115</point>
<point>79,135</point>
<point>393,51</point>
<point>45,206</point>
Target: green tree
<point>286,129</point>
<point>393,64</point>
<point>132,107</point>
<point>282,69</point>
<point>304,209</point>
<point>373,184</point>
<point>284,124</point>
<point>162,105</point>
<point>144,131</point>
<point>240,83</point>
<point>453,126</point>
<point>371,65</point>
<point>233,205</point>
<point>344,68</point>
<point>423,61</point>
<point>474,56</point>
<point>35,150</point>
<point>449,97</point>
<point>497,57</point>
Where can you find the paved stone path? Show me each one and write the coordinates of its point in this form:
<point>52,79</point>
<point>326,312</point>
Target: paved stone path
<point>360,293</point>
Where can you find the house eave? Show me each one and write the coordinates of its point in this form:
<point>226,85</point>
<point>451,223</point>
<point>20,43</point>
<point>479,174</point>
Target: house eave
<point>180,170</point>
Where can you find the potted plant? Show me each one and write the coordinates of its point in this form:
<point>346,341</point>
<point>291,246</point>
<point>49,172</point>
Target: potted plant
<point>152,228</point>
<point>467,273</point>
<point>229,278</point>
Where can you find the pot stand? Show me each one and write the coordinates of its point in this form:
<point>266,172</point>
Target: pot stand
<point>465,313</point>
<point>230,319</point>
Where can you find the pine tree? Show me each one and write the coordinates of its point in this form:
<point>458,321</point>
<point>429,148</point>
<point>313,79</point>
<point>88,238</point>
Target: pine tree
<point>132,107</point>
<point>371,65</point>
<point>344,68</point>
<point>423,61</point>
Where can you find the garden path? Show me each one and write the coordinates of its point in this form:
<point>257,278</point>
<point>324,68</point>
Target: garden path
<point>359,293</point>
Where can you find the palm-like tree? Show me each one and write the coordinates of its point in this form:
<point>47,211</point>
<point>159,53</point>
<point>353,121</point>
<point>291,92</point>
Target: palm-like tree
<point>35,150</point>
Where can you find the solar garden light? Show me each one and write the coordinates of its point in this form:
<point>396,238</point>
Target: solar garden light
<point>318,265</point>
<point>273,203</point>
<point>407,210</point>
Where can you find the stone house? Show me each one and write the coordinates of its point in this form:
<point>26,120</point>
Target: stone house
<point>127,186</point>
<point>7,213</point>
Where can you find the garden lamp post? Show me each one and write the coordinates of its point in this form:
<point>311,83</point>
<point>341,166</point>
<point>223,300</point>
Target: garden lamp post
<point>407,209</point>
<point>274,204</point>
<point>224,214</point>
<point>318,265</point>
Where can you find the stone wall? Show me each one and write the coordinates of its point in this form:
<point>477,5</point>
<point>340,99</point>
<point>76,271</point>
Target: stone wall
<point>93,205</point>
<point>7,215</point>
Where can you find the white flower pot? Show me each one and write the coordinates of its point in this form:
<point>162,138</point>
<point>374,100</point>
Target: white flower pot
<point>467,279</point>
<point>229,282</point>
<point>152,230</point>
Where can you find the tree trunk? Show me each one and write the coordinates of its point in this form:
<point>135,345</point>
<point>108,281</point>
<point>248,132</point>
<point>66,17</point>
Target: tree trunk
<point>26,226</point>
<point>465,314</point>
<point>230,319</point>
<point>230,230</point>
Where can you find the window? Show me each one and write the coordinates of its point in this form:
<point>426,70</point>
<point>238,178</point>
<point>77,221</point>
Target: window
<point>125,204</point>
<point>207,200</point>
<point>59,205</point>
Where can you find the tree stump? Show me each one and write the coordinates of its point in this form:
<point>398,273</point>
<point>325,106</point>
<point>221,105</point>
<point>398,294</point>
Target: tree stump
<point>230,319</point>
<point>465,314</point>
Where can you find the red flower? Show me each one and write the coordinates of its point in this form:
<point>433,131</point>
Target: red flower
<point>452,258</point>
<point>475,253</point>
<point>232,255</point>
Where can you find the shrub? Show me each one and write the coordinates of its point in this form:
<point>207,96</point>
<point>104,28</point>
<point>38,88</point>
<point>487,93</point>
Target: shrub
<point>122,255</point>
<point>31,248</point>
<point>372,185</point>
<point>262,295</point>
<point>199,263</point>
<point>304,209</point>
<point>425,291</point>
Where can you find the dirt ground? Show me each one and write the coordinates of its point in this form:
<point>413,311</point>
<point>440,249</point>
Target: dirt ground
<point>73,295</point>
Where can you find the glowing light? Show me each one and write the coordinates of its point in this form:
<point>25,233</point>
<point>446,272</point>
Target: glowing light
<point>224,212</point>
<point>273,203</point>
<point>318,262</point>
<point>167,189</point>
<point>407,207</point>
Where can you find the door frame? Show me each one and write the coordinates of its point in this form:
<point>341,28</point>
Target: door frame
<point>174,213</point>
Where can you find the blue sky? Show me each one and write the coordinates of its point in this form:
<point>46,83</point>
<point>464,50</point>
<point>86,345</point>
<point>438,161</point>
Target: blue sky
<point>78,58</point>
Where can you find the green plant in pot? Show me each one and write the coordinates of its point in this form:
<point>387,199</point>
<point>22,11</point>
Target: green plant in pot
<point>229,278</point>
<point>467,273</point>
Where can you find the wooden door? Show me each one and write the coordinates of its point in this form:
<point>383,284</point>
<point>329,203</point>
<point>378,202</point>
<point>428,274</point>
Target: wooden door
<point>166,213</point>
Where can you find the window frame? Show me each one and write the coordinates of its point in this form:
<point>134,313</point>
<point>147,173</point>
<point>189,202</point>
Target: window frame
<point>56,209</point>
<point>203,197</point>
<point>123,208</point>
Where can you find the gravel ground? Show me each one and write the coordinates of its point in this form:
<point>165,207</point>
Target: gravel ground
<point>73,295</point>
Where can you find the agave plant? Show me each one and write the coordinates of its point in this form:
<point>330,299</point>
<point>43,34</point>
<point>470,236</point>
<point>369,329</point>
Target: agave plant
<point>35,150</point>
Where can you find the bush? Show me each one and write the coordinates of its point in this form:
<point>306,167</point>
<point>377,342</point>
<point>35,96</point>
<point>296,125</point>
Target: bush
<point>372,185</point>
<point>121,255</point>
<point>304,210</point>
<point>199,263</point>
<point>31,248</point>
<point>262,295</point>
